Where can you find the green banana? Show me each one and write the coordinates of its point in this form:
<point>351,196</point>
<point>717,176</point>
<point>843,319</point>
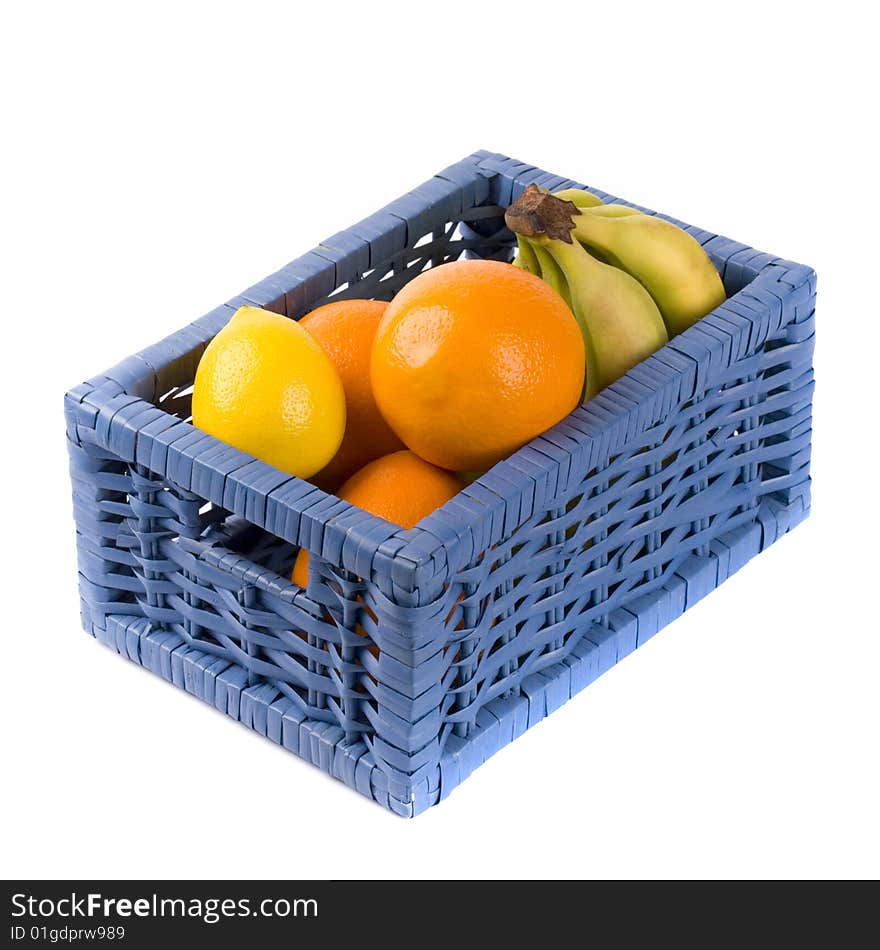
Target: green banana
<point>613,211</point>
<point>620,322</point>
<point>587,201</point>
<point>537,261</point>
<point>608,211</point>
<point>579,197</point>
<point>525,257</point>
<point>664,259</point>
<point>551,273</point>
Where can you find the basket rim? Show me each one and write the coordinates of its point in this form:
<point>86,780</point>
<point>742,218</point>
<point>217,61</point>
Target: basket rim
<point>116,410</point>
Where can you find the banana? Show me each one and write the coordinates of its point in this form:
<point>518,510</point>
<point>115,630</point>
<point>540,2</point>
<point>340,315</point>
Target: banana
<point>525,257</point>
<point>608,211</point>
<point>551,272</point>
<point>620,322</point>
<point>579,197</point>
<point>613,211</point>
<point>586,200</point>
<point>665,260</point>
<point>538,262</point>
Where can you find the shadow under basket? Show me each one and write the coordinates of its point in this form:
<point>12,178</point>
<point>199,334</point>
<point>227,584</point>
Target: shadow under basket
<point>413,655</point>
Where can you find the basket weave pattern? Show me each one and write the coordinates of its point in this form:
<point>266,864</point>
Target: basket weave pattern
<point>414,655</point>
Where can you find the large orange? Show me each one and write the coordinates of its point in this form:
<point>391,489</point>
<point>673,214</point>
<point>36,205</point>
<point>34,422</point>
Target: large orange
<point>345,329</point>
<point>473,359</point>
<point>401,488</point>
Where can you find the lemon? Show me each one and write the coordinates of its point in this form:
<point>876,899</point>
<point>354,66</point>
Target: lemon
<point>264,385</point>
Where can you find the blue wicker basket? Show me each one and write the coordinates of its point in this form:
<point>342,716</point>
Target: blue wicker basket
<point>498,607</point>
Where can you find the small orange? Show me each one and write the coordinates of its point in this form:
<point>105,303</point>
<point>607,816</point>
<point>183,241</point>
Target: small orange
<point>401,488</point>
<point>473,359</point>
<point>345,330</point>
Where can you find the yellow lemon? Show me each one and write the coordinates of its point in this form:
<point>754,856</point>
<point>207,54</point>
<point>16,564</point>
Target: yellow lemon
<point>265,386</point>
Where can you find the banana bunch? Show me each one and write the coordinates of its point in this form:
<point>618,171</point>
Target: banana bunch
<point>631,280</point>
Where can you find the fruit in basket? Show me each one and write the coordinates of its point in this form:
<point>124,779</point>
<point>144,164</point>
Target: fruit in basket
<point>472,360</point>
<point>401,488</point>
<point>265,386</point>
<point>667,261</point>
<point>345,329</point>
<point>620,323</point>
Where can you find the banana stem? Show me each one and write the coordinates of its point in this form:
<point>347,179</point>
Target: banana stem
<point>536,213</point>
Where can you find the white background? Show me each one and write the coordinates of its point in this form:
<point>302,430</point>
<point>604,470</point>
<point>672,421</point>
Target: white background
<point>157,159</point>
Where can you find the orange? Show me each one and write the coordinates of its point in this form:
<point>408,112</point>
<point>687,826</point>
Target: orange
<point>401,488</point>
<point>345,329</point>
<point>473,359</point>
